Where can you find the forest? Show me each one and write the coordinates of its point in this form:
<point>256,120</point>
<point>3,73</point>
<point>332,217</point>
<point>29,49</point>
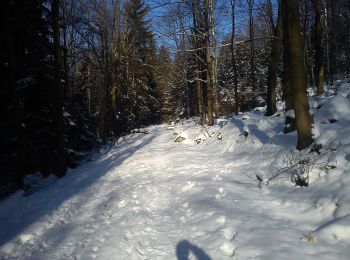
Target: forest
<point>82,77</point>
<point>75,74</point>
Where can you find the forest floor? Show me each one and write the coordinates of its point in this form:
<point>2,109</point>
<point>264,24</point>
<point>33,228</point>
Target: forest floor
<point>149,197</point>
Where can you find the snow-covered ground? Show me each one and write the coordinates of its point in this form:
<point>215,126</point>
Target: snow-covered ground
<point>152,198</point>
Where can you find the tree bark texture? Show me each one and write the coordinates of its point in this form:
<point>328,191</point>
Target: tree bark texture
<point>297,75</point>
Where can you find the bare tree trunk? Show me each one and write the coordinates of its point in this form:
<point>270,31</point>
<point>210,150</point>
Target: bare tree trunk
<point>297,75</point>
<point>61,166</point>
<point>332,44</point>
<point>307,65</point>
<point>327,35</point>
<point>233,54</point>
<point>214,59</point>
<point>197,40</point>
<point>199,93</point>
<point>319,48</point>
<point>252,43</point>
<point>273,66</point>
<point>289,125</point>
<point>209,64</point>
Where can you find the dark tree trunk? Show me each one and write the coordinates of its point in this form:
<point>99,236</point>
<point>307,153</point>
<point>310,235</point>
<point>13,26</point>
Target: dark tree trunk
<point>319,48</point>
<point>61,166</point>
<point>289,125</point>
<point>12,88</point>
<point>332,44</point>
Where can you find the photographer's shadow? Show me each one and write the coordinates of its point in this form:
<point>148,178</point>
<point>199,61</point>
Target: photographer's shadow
<point>184,249</point>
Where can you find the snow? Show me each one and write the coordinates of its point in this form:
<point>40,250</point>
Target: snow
<point>152,198</point>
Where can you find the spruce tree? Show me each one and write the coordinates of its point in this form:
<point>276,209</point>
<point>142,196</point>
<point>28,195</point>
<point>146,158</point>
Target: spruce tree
<point>141,53</point>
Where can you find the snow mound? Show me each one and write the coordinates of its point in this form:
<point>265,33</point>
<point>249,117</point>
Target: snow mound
<point>344,90</point>
<point>335,230</point>
<point>335,108</point>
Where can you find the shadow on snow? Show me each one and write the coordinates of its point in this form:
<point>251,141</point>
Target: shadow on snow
<point>17,213</point>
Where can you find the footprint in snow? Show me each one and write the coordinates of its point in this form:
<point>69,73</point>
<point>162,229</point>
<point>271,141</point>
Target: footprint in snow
<point>189,186</point>
<point>217,177</point>
<point>185,205</point>
<point>122,204</point>
<point>148,229</point>
<point>210,213</point>
<point>229,233</point>
<point>221,220</point>
<point>228,249</point>
<point>189,213</point>
<point>228,170</point>
<point>221,193</point>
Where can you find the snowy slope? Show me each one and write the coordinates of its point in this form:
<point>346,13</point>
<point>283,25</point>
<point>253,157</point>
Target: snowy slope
<point>153,198</point>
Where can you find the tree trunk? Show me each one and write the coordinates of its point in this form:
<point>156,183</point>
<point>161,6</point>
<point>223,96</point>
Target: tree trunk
<point>61,166</point>
<point>319,48</point>
<point>199,93</point>
<point>198,41</point>
<point>252,44</point>
<point>273,67</point>
<point>16,114</point>
<point>214,59</point>
<point>289,125</point>
<point>209,64</point>
<point>332,43</point>
<point>297,75</point>
<point>233,55</point>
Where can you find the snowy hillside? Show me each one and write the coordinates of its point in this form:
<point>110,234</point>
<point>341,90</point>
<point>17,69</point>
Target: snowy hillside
<point>233,191</point>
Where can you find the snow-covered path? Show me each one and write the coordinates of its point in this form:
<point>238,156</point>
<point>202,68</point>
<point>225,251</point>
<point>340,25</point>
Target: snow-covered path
<point>151,198</point>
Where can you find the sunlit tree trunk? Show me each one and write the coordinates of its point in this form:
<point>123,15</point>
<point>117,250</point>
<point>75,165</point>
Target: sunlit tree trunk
<point>297,75</point>
<point>209,64</point>
<point>252,43</point>
<point>273,66</point>
<point>233,54</point>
